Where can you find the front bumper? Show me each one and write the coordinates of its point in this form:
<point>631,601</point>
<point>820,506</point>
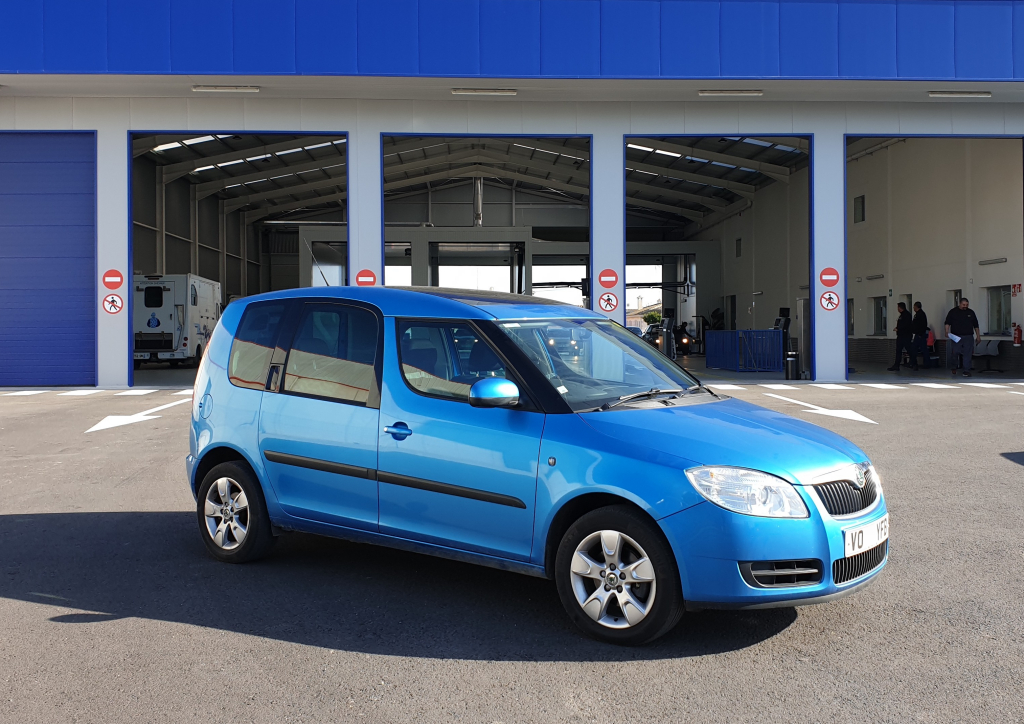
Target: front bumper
<point>710,543</point>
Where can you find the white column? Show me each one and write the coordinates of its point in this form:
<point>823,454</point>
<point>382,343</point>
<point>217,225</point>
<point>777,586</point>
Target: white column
<point>828,242</point>
<point>608,122</point>
<point>109,117</point>
<point>365,198</point>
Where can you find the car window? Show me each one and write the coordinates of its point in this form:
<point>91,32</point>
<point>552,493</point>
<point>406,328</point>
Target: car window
<point>253,346</point>
<point>591,362</point>
<point>333,353</point>
<point>445,359</point>
<point>153,297</point>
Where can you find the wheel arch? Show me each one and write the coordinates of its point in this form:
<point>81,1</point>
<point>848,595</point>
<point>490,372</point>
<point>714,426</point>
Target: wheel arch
<point>213,457</point>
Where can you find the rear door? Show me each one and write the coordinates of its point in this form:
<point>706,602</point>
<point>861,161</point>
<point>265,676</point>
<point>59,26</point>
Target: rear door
<point>157,323</point>
<point>449,473</point>
<point>319,417</point>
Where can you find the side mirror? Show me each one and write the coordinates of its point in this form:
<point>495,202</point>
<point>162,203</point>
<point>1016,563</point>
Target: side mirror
<point>494,392</point>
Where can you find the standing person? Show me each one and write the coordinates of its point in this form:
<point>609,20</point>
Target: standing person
<point>903,334</point>
<point>962,330</point>
<point>920,329</point>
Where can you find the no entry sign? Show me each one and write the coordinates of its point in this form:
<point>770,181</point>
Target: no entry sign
<point>829,276</point>
<point>608,302</point>
<point>366,278</point>
<point>113,279</point>
<point>608,278</point>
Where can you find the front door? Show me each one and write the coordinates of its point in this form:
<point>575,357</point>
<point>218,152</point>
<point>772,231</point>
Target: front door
<point>452,474</point>
<point>318,423</point>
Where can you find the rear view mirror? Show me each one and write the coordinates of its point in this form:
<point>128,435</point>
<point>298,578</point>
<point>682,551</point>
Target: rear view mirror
<point>494,392</point>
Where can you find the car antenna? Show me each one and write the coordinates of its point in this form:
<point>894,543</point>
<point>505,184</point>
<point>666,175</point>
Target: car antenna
<point>326,283</point>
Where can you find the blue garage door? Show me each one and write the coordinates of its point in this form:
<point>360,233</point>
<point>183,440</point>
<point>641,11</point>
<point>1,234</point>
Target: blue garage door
<point>47,259</point>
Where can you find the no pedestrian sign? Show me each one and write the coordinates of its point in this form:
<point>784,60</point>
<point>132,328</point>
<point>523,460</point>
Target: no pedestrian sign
<point>113,279</point>
<point>608,302</point>
<point>829,301</point>
<point>112,304</point>
<point>366,278</point>
<point>829,276</point>
<point>608,278</point>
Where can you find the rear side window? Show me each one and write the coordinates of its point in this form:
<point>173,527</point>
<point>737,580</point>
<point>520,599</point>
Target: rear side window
<point>153,297</point>
<point>445,359</point>
<point>254,345</point>
<point>333,354</point>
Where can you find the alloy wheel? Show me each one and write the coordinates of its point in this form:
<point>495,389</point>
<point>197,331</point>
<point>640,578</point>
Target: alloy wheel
<point>227,513</point>
<point>613,579</point>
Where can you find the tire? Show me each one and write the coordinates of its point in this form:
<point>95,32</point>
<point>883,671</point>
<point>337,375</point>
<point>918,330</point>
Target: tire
<point>136,364</point>
<point>240,533</point>
<point>649,609</point>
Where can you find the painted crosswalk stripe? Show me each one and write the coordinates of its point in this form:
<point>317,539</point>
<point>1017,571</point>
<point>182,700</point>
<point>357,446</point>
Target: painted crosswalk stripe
<point>831,386</point>
<point>883,386</point>
<point>78,393</point>
<point>134,392</point>
<point>183,392</point>
<point>778,387</point>
<point>726,387</point>
<point>986,385</point>
<point>24,393</point>
<point>934,386</point>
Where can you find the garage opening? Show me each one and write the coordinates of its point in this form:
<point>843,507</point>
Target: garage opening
<point>932,222</point>
<point>717,251</point>
<point>217,216</point>
<point>507,214</point>
<point>48,259</point>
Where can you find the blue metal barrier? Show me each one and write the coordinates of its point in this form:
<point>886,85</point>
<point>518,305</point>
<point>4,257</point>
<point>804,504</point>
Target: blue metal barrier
<point>745,350</point>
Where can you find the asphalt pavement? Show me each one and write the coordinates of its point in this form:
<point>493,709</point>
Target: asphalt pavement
<point>112,611</point>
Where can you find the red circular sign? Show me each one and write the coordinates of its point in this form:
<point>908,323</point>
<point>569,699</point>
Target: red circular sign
<point>607,302</point>
<point>112,304</point>
<point>366,278</point>
<point>113,279</point>
<point>829,276</point>
<point>608,278</point>
<point>829,301</point>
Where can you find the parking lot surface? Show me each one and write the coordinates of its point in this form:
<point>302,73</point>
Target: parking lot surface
<point>113,611</point>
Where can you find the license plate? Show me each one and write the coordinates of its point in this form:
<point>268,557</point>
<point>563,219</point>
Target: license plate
<point>865,537</point>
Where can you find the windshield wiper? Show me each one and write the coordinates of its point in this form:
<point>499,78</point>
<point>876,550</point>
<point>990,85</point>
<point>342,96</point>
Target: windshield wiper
<point>637,395</point>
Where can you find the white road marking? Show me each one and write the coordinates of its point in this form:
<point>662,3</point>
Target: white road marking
<point>726,387</point>
<point>778,387</point>
<point>78,393</point>
<point>134,392</point>
<point>24,393</point>
<point>883,386</point>
<point>986,385</point>
<point>934,386</point>
<point>832,387</point>
<point>815,409</point>
<point>183,392</point>
<point>118,420</point>
<point>1014,392</point>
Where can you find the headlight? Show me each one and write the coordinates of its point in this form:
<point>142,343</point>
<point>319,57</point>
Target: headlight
<point>866,473</point>
<point>748,491</point>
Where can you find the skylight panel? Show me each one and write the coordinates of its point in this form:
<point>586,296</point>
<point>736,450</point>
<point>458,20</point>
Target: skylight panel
<point>319,145</point>
<point>201,139</point>
<point>167,146</point>
<point>639,148</point>
<point>203,168</point>
<point>723,165</point>
<point>785,148</point>
<point>229,163</point>
<point>668,153</point>
<point>750,170</point>
<point>291,150</point>
<point>697,160</point>
<point>757,142</point>
<point>257,158</point>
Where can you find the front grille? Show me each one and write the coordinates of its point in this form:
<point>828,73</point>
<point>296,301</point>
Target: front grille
<point>847,569</point>
<point>781,574</point>
<point>842,498</point>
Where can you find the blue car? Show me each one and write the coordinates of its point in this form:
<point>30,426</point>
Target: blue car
<point>525,435</point>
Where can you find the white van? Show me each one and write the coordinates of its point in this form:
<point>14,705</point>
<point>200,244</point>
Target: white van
<point>174,316</point>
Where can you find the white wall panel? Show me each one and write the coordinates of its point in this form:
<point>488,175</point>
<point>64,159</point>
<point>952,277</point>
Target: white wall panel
<point>657,119</point>
<point>872,118</point>
<point>7,112</point>
<point>440,117</point>
<point>495,117</point>
<point>712,117</point>
<point>159,114</point>
<point>324,114</point>
<point>270,114</point>
<point>976,118</point>
<point>925,118</point>
<point>44,113</point>
<point>550,118</point>
<point>764,118</point>
<point>216,114</point>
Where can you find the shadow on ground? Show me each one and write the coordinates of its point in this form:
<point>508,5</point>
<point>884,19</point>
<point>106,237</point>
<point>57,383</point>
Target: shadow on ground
<point>1014,457</point>
<point>320,592</point>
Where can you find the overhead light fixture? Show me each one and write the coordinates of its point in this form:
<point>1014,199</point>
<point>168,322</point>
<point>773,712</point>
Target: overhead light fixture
<point>226,88</point>
<point>959,94</point>
<point>728,92</point>
<point>873,277</point>
<point>986,262</point>
<point>484,91</point>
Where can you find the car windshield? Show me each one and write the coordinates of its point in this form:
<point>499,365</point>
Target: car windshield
<point>595,362</point>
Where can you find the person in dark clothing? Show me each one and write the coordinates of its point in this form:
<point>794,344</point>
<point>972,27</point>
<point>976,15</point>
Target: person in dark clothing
<point>920,329</point>
<point>962,330</point>
<point>903,336</point>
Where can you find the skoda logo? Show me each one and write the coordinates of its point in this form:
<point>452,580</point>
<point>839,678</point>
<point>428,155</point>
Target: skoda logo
<point>860,480</point>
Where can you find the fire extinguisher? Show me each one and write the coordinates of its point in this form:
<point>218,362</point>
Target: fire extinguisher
<point>1016,334</point>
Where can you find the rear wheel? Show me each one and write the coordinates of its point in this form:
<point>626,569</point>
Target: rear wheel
<point>617,577</point>
<point>232,514</point>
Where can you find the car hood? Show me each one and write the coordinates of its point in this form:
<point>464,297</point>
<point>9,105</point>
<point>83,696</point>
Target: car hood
<point>730,432</point>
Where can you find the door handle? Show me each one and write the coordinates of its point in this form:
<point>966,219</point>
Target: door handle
<point>399,430</point>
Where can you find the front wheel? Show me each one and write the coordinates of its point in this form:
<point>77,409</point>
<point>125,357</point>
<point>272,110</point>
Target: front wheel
<point>233,518</point>
<point>617,577</point>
